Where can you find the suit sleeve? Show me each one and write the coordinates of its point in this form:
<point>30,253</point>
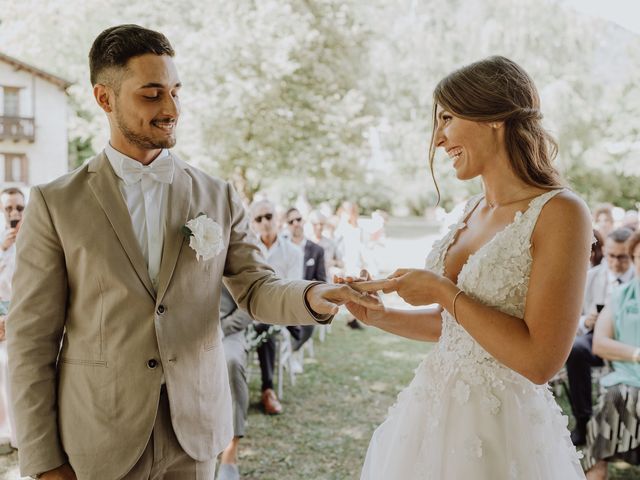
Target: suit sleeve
<point>35,327</point>
<point>253,283</point>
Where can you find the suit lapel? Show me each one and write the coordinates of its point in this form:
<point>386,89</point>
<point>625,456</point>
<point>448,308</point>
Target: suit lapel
<point>178,205</point>
<point>103,183</point>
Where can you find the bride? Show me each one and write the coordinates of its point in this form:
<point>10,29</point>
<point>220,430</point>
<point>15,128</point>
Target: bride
<point>508,282</point>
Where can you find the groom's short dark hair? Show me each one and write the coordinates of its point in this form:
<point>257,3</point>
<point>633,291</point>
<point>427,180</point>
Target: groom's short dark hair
<point>115,46</point>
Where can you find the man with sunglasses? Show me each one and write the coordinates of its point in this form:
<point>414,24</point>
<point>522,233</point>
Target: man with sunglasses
<point>313,268</point>
<point>286,259</point>
<point>615,270</point>
<point>12,202</point>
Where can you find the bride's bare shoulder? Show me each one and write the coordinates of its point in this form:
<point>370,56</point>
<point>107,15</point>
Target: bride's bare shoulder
<point>565,213</point>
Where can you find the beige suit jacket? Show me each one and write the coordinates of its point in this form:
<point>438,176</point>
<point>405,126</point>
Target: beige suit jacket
<point>85,323</point>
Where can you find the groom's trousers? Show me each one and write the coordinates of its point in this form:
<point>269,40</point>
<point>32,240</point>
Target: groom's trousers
<point>164,458</point>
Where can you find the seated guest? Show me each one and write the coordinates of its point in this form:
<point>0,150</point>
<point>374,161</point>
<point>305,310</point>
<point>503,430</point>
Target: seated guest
<point>286,260</point>
<point>613,431</point>
<point>313,258</point>
<point>234,323</point>
<point>600,280</point>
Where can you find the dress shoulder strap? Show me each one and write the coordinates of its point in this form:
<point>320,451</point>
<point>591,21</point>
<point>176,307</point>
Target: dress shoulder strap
<point>472,203</point>
<point>536,205</point>
<point>530,216</point>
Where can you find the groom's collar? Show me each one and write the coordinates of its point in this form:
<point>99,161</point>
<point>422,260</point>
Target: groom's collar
<point>100,161</point>
<point>118,159</point>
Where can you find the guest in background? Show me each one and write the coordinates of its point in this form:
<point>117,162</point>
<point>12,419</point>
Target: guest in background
<point>286,260</point>
<point>600,281</point>
<point>603,218</point>
<point>313,260</point>
<point>613,431</point>
<point>234,323</point>
<point>350,234</point>
<point>13,203</point>
<point>332,256</point>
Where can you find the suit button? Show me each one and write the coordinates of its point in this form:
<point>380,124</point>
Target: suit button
<point>161,309</point>
<point>152,363</point>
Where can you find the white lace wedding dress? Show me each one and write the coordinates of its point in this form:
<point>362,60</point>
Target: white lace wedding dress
<point>465,416</point>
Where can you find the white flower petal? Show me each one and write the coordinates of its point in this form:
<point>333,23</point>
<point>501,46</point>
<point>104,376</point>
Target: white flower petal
<point>207,237</point>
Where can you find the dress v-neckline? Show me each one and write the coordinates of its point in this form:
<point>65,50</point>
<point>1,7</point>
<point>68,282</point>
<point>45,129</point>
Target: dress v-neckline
<point>463,224</point>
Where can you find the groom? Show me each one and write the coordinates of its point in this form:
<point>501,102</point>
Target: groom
<point>117,365</point>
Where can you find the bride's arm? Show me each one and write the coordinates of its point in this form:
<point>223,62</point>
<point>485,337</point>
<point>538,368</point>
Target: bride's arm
<point>538,345</point>
<point>424,325</point>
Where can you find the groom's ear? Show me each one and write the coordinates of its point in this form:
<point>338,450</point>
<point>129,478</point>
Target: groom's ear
<point>105,96</point>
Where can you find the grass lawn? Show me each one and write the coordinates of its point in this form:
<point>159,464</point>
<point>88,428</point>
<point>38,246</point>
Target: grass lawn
<point>331,412</point>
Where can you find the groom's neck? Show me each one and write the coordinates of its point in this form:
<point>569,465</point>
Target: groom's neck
<point>144,156</point>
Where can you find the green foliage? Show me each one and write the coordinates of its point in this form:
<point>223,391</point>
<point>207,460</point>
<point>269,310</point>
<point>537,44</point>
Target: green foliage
<point>80,150</point>
<point>599,186</point>
<point>371,195</point>
<point>283,96</point>
<point>586,87</point>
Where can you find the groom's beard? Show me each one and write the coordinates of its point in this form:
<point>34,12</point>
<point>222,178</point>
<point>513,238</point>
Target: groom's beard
<point>143,141</point>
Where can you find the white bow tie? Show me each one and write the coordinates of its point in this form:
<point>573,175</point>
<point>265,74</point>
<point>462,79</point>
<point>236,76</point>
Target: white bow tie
<point>160,170</point>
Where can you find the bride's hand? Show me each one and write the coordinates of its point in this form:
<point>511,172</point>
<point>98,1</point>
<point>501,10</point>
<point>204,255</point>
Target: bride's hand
<point>365,315</point>
<point>416,286</point>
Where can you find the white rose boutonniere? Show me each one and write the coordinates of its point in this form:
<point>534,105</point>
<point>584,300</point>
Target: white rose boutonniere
<point>205,236</point>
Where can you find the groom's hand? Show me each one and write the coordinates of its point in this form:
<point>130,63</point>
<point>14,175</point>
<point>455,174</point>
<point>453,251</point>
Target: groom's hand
<point>362,313</point>
<point>324,298</point>
<point>63,472</point>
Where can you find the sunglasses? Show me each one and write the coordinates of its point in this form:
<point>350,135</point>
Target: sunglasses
<point>621,258</point>
<point>267,216</point>
<point>11,208</point>
<point>297,219</point>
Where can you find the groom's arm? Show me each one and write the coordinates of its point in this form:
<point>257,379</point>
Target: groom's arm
<point>253,283</point>
<point>35,327</point>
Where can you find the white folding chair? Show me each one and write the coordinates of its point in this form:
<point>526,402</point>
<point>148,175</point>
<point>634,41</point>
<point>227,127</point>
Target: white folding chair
<point>323,330</point>
<point>284,359</point>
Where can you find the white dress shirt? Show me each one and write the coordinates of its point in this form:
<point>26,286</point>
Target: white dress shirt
<point>600,283</point>
<point>300,245</point>
<point>146,200</point>
<point>285,258</point>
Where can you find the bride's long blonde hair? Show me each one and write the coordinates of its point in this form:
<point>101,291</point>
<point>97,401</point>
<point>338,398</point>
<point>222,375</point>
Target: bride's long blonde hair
<point>497,89</point>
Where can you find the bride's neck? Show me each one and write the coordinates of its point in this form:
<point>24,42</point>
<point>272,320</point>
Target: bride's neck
<point>504,187</point>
